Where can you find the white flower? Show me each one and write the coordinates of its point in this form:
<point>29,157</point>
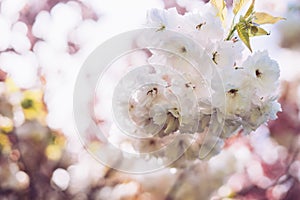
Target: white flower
<point>260,114</point>
<point>225,54</point>
<point>203,27</point>
<point>185,92</point>
<point>164,19</point>
<point>174,45</point>
<point>184,55</point>
<point>237,100</point>
<point>232,96</point>
<point>263,72</point>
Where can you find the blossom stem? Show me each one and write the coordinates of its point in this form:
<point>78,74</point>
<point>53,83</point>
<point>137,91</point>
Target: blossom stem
<point>232,29</point>
<point>231,33</point>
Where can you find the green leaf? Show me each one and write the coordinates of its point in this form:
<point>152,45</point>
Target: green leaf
<point>265,18</point>
<point>243,32</point>
<point>250,10</point>
<point>238,4</point>
<point>257,31</point>
<point>220,5</point>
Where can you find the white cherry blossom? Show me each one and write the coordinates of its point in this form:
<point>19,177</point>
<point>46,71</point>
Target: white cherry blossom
<point>263,73</point>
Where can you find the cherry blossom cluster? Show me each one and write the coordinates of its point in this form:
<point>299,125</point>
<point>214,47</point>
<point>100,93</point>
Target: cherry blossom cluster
<point>207,86</point>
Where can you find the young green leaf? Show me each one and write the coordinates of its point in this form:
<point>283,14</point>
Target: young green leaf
<point>265,18</point>
<point>243,33</point>
<point>238,4</point>
<point>250,10</point>
<point>257,31</point>
<point>220,5</point>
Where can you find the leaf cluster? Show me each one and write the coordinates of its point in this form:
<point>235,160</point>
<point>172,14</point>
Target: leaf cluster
<point>249,24</point>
